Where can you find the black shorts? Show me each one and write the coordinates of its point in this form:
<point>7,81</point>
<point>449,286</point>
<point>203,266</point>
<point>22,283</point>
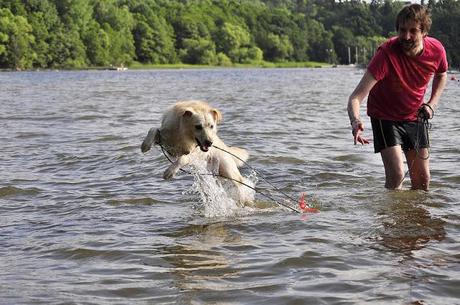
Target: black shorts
<point>409,135</point>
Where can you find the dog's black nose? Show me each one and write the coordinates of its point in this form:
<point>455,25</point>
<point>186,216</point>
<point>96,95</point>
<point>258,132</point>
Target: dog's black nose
<point>207,143</point>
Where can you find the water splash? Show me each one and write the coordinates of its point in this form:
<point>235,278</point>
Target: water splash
<point>220,197</point>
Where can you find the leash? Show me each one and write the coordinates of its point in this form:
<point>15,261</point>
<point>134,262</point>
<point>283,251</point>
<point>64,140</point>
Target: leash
<point>258,173</point>
<point>422,121</point>
<point>302,205</point>
<point>423,118</point>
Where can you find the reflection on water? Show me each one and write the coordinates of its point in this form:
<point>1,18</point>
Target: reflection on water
<point>407,225</point>
<point>197,260</point>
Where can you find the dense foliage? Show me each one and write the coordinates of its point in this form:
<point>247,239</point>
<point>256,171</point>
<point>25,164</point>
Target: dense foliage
<point>84,33</point>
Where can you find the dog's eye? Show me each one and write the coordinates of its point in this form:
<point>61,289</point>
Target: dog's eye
<point>198,127</point>
<point>212,126</point>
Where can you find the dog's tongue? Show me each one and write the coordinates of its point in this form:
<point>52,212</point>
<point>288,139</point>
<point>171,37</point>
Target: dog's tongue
<point>204,147</point>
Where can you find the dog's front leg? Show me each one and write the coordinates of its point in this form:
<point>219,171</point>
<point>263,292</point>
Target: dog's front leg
<point>175,166</point>
<point>229,169</point>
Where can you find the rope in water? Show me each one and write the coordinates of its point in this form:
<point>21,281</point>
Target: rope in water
<point>240,182</point>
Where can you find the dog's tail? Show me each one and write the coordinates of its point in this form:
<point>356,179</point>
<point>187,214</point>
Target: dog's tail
<point>241,155</point>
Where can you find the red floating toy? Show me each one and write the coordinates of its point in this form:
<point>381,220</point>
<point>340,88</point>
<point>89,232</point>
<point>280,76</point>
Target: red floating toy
<point>305,208</point>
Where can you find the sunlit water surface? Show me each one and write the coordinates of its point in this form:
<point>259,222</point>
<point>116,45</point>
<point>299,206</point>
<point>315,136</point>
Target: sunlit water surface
<point>86,218</point>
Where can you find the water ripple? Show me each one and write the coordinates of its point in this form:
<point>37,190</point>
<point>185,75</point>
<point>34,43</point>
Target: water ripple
<point>86,218</point>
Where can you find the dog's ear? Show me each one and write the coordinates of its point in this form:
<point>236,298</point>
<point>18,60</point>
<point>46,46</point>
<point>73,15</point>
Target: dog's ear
<point>217,115</point>
<point>186,113</point>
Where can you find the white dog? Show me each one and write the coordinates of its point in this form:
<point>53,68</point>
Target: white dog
<point>191,124</point>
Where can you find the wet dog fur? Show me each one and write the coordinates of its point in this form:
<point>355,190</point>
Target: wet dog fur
<point>187,126</point>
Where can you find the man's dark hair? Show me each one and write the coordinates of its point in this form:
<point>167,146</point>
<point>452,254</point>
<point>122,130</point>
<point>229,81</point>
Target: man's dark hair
<point>414,12</point>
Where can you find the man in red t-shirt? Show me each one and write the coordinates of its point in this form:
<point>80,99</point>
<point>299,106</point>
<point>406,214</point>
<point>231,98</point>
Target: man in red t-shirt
<point>395,83</point>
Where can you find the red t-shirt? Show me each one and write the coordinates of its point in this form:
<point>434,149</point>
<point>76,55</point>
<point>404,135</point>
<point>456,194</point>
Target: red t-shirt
<point>402,80</point>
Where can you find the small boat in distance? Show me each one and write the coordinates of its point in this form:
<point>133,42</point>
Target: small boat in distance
<point>118,68</point>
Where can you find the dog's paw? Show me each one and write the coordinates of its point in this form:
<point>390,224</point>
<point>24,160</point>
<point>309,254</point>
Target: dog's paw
<point>145,146</point>
<point>169,173</point>
<point>152,137</point>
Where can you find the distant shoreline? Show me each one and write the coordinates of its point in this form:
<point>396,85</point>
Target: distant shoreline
<point>263,65</point>
<point>138,66</point>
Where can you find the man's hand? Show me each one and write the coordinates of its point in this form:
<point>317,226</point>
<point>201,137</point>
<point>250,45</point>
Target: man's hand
<point>357,128</point>
<point>426,112</point>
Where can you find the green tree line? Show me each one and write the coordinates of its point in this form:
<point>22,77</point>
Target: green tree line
<point>86,33</point>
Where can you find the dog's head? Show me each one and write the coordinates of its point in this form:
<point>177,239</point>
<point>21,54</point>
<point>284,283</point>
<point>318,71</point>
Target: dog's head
<point>202,125</point>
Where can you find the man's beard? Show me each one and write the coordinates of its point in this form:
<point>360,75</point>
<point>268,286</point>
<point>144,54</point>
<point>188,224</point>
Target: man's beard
<point>408,44</point>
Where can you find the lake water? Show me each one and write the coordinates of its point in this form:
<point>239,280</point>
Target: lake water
<point>86,218</point>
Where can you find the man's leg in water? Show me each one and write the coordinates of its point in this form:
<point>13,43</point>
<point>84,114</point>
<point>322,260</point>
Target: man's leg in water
<point>393,162</point>
<point>419,168</point>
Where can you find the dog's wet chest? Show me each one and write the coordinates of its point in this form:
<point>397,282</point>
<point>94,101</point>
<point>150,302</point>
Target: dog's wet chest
<point>176,146</point>
<point>178,151</point>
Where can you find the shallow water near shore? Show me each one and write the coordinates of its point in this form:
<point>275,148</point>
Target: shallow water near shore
<point>86,218</point>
